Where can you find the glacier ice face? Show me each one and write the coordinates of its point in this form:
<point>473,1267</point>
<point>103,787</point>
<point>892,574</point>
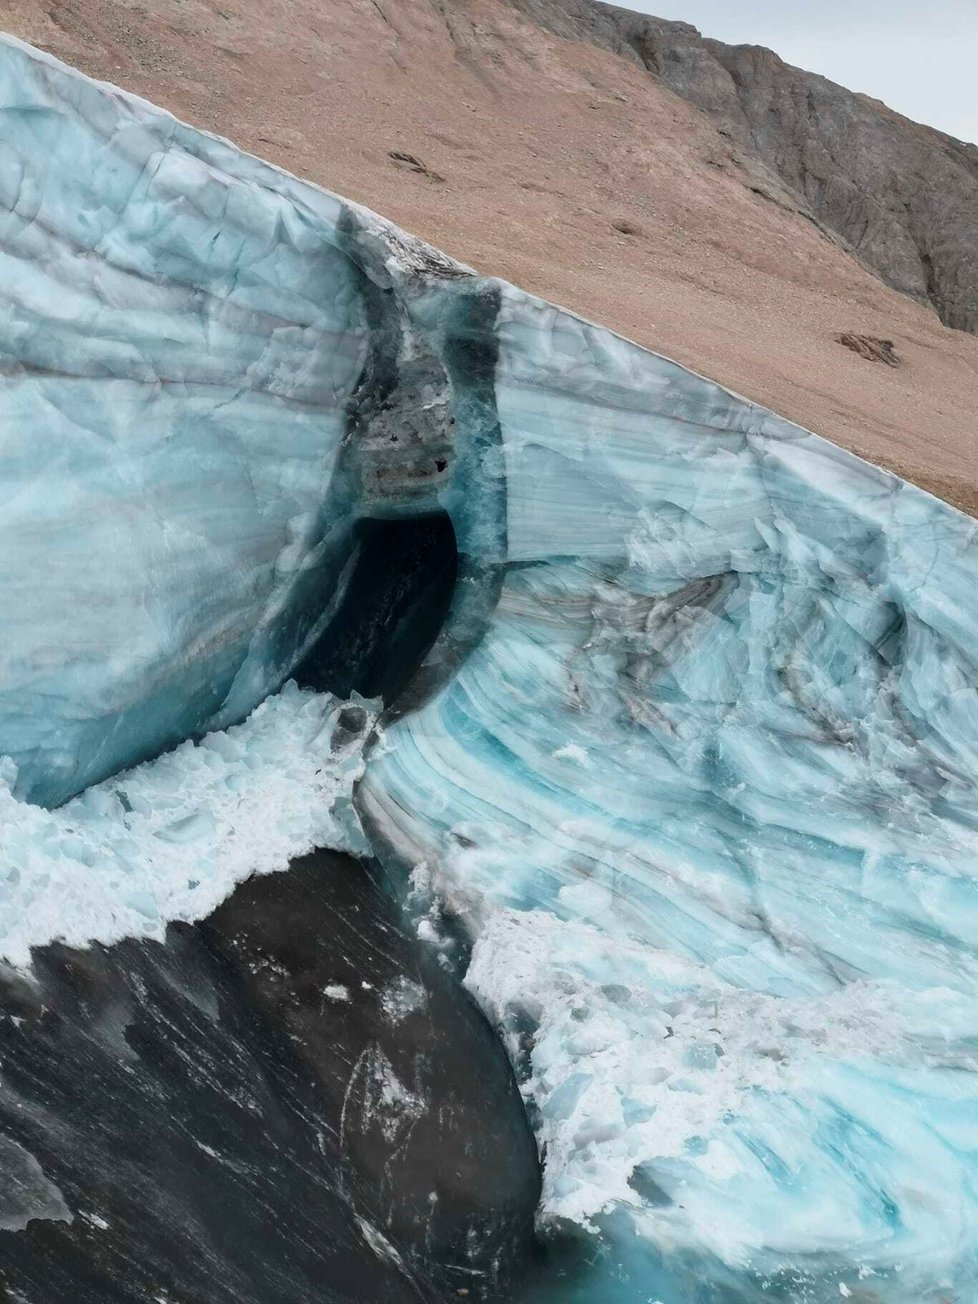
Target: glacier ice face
<point>177,341</point>
<point>188,340</point>
<point>693,757</point>
<point>706,795</point>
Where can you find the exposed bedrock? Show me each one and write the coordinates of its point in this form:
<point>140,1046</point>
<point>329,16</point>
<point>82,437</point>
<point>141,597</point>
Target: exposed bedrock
<point>289,1103</point>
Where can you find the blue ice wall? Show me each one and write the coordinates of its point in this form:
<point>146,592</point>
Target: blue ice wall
<point>187,338</point>
<point>694,759</point>
<point>179,339</point>
<point>705,795</point>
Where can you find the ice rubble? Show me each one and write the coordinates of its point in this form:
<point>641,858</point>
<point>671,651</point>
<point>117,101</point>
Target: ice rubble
<point>694,757</point>
<point>171,838</point>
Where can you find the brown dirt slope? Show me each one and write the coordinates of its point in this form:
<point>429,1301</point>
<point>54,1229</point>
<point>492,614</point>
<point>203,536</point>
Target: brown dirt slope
<point>566,168</point>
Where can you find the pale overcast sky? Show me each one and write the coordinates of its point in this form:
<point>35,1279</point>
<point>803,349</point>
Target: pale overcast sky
<point>919,56</point>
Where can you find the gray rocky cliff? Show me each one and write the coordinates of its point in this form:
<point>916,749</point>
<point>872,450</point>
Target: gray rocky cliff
<point>903,197</point>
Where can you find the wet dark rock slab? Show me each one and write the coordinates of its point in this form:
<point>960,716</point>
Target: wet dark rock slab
<point>288,1102</point>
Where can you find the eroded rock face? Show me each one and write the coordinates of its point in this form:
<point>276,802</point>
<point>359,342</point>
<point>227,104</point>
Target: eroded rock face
<point>289,1103</point>
<point>902,196</point>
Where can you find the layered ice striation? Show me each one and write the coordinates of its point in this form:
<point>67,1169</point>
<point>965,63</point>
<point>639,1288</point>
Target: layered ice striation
<point>705,794</point>
<point>692,757</point>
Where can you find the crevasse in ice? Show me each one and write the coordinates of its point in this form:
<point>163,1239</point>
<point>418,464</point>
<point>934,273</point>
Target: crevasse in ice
<point>693,758</point>
<point>186,340</point>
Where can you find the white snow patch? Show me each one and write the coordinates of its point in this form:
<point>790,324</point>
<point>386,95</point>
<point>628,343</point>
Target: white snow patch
<point>401,998</point>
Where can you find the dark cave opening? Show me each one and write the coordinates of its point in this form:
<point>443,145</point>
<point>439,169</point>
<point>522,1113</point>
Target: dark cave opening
<point>395,601</point>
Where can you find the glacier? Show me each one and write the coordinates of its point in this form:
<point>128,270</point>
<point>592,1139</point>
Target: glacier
<point>683,786</point>
<point>705,796</point>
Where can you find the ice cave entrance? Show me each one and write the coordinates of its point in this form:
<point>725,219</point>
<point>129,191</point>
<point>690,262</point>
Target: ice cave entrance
<point>401,577</point>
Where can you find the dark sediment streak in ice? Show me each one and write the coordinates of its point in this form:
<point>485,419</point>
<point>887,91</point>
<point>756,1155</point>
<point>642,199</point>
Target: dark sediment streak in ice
<point>289,1102</point>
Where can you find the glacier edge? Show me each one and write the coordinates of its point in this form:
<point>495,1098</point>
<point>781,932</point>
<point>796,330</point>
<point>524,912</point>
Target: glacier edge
<point>693,759</point>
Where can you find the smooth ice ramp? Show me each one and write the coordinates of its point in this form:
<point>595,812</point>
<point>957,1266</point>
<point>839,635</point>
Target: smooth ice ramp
<point>693,756</point>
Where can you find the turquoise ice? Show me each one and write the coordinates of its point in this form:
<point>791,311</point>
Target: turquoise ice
<point>693,759</point>
<point>705,795</point>
<point>179,339</point>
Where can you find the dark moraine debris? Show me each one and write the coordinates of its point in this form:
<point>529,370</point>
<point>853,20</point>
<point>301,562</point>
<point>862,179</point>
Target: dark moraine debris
<point>870,347</point>
<point>289,1103</point>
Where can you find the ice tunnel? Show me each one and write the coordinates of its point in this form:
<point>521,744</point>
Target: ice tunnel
<point>664,704</point>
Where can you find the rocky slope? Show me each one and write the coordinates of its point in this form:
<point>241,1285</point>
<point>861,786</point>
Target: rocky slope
<point>523,142</point>
<point>902,196</point>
